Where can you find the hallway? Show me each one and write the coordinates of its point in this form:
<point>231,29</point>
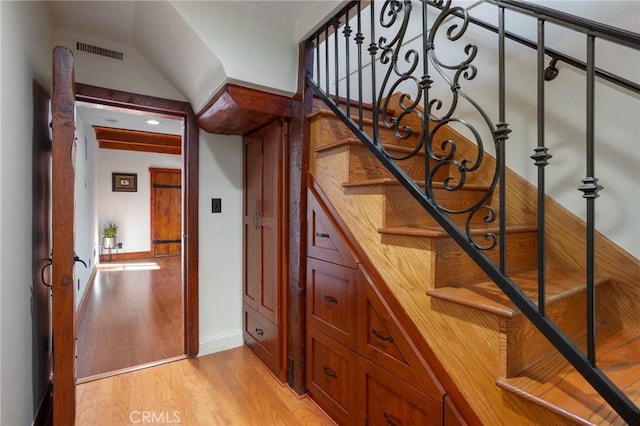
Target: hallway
<point>133,316</point>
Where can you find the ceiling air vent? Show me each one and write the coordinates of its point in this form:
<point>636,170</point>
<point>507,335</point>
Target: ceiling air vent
<point>100,51</point>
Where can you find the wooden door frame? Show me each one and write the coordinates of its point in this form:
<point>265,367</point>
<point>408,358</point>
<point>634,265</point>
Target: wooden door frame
<point>152,210</point>
<point>190,184</point>
<point>62,279</point>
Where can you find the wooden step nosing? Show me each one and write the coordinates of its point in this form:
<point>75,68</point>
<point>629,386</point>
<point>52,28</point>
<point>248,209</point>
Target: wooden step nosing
<point>504,384</point>
<point>508,311</point>
<point>439,232</point>
<point>500,311</point>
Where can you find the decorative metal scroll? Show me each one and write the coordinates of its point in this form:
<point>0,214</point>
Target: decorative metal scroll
<point>401,66</point>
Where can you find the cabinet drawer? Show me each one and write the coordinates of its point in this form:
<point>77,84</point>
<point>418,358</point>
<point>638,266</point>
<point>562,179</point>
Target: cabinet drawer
<point>331,375</point>
<point>382,339</point>
<point>261,335</point>
<point>389,401</point>
<point>331,300</point>
<point>323,239</point>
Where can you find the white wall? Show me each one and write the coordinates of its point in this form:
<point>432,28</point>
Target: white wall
<point>86,223</point>
<point>25,54</point>
<point>129,210</point>
<point>220,247</point>
<point>134,74</point>
<point>254,47</point>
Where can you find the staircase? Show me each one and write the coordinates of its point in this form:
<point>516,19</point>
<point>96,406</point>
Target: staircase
<point>506,369</point>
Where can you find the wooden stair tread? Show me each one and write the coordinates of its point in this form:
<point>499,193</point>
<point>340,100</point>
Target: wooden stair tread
<point>392,181</point>
<point>439,232</point>
<point>486,295</point>
<point>355,142</point>
<point>553,383</point>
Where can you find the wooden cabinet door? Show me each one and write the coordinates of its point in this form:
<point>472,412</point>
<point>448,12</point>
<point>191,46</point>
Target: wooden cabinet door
<point>252,205</point>
<point>264,236</point>
<point>388,400</point>
<point>270,220</point>
<point>263,220</point>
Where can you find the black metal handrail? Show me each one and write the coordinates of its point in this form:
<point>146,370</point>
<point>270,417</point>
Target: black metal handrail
<point>632,40</point>
<point>395,67</point>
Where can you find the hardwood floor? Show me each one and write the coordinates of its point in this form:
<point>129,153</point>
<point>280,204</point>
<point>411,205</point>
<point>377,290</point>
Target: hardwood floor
<point>133,316</point>
<point>225,388</point>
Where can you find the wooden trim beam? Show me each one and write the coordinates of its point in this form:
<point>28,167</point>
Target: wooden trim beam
<point>298,166</point>
<point>136,140</point>
<point>237,110</point>
<point>62,292</point>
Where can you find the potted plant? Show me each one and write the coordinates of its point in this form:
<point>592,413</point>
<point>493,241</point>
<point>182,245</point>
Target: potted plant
<point>109,233</point>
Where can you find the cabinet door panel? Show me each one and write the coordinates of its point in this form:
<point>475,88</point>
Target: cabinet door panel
<point>382,340</point>
<point>263,338</point>
<point>323,239</point>
<point>252,206</point>
<point>331,375</point>
<point>331,300</point>
<point>269,220</point>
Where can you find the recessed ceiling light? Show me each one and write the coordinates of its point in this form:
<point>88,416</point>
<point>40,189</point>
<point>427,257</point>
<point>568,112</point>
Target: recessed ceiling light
<point>153,122</point>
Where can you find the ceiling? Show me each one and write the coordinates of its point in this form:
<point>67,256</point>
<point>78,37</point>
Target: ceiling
<point>115,20</point>
<point>125,22</point>
<point>100,115</point>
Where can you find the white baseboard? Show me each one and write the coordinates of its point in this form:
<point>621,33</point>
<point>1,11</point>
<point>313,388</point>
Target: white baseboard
<point>221,342</point>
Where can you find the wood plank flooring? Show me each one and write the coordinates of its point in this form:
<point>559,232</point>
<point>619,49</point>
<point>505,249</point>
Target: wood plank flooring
<point>133,316</point>
<point>225,388</point>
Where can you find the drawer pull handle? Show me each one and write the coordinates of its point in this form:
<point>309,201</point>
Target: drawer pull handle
<point>389,419</point>
<point>259,331</point>
<point>330,299</point>
<point>329,372</point>
<point>381,336</point>
<point>322,235</point>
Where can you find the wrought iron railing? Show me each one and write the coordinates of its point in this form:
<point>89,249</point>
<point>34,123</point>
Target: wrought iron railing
<point>365,54</point>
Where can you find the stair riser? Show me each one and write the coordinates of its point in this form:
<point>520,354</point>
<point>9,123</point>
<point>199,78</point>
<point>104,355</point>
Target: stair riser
<point>522,344</point>
<point>363,165</point>
<point>327,130</point>
<point>453,266</point>
<point>401,209</point>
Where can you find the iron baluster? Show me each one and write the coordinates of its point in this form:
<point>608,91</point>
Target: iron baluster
<point>359,39</point>
<point>590,190</point>
<point>501,141</point>
<point>336,25</point>
<point>318,57</point>
<point>541,158</point>
<point>347,33</point>
<point>373,49</point>
<point>425,136</point>
<point>326,58</point>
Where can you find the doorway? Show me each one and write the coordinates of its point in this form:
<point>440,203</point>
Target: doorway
<point>184,271</point>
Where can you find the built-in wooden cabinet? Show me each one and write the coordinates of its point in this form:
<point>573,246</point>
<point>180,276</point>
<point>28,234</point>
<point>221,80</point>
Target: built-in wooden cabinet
<point>361,367</point>
<point>264,241</point>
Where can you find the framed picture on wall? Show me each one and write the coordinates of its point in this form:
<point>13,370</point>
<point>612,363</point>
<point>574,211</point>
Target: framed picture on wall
<point>124,182</point>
